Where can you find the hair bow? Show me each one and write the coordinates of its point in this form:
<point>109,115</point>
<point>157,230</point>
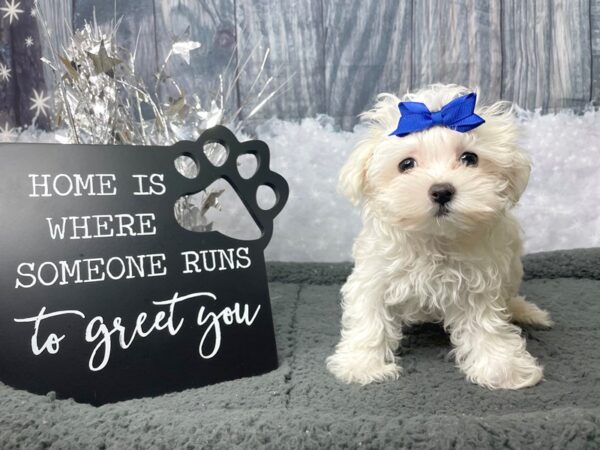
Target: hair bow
<point>458,115</point>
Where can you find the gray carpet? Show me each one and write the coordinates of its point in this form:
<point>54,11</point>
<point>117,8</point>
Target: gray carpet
<point>301,406</point>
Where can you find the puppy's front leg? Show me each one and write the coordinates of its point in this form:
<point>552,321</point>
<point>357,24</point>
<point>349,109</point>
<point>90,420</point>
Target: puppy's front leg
<point>489,349</point>
<point>370,335</point>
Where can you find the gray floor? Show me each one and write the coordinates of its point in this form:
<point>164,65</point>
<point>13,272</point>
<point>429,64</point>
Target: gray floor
<point>301,405</point>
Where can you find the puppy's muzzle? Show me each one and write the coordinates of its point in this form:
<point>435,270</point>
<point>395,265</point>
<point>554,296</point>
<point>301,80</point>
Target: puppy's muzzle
<point>441,193</point>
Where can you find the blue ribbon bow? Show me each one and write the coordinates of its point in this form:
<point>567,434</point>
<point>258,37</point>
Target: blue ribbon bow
<point>458,115</point>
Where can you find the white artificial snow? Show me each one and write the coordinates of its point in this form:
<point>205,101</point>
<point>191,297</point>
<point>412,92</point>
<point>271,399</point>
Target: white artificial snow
<point>561,206</point>
<point>317,224</point>
<point>559,210</point>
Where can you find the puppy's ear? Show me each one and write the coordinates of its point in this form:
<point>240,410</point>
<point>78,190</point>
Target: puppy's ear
<point>380,120</point>
<point>518,175</point>
<point>500,135</point>
<point>352,182</point>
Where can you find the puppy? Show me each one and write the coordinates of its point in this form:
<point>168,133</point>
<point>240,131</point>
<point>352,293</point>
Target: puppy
<point>436,184</point>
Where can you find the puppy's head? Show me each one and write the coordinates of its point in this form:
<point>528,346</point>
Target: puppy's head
<point>438,180</point>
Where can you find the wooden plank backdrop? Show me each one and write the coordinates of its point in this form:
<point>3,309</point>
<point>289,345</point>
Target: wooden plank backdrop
<point>340,53</point>
<point>595,36</point>
<point>458,42</point>
<point>547,54</point>
<point>293,30</point>
<point>382,62</point>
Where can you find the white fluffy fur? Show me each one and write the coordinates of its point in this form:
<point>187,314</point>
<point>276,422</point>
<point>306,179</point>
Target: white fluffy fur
<point>463,269</point>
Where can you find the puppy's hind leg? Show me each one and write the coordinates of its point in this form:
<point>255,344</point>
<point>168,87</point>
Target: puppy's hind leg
<point>528,313</point>
<point>520,310</point>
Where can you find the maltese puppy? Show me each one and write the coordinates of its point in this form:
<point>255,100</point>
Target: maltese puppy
<point>437,178</point>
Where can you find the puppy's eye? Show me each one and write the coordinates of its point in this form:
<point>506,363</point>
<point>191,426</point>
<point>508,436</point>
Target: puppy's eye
<point>469,159</point>
<point>407,164</point>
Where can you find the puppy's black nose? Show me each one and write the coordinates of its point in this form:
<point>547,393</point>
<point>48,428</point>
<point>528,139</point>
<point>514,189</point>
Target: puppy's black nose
<point>442,193</point>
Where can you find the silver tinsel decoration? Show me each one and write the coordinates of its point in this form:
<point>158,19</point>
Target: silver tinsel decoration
<point>100,99</point>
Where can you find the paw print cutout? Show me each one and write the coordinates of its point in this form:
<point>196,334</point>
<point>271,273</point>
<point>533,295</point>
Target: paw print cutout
<point>246,184</point>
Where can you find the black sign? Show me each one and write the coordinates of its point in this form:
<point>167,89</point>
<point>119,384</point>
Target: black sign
<point>104,296</point>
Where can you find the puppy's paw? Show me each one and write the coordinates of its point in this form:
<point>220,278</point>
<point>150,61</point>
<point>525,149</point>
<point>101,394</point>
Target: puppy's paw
<point>362,367</point>
<point>511,373</point>
<point>527,313</point>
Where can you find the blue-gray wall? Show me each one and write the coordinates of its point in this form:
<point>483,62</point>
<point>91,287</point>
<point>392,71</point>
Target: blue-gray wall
<point>539,53</point>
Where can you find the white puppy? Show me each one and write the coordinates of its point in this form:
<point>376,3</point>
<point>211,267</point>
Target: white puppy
<point>438,244</point>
